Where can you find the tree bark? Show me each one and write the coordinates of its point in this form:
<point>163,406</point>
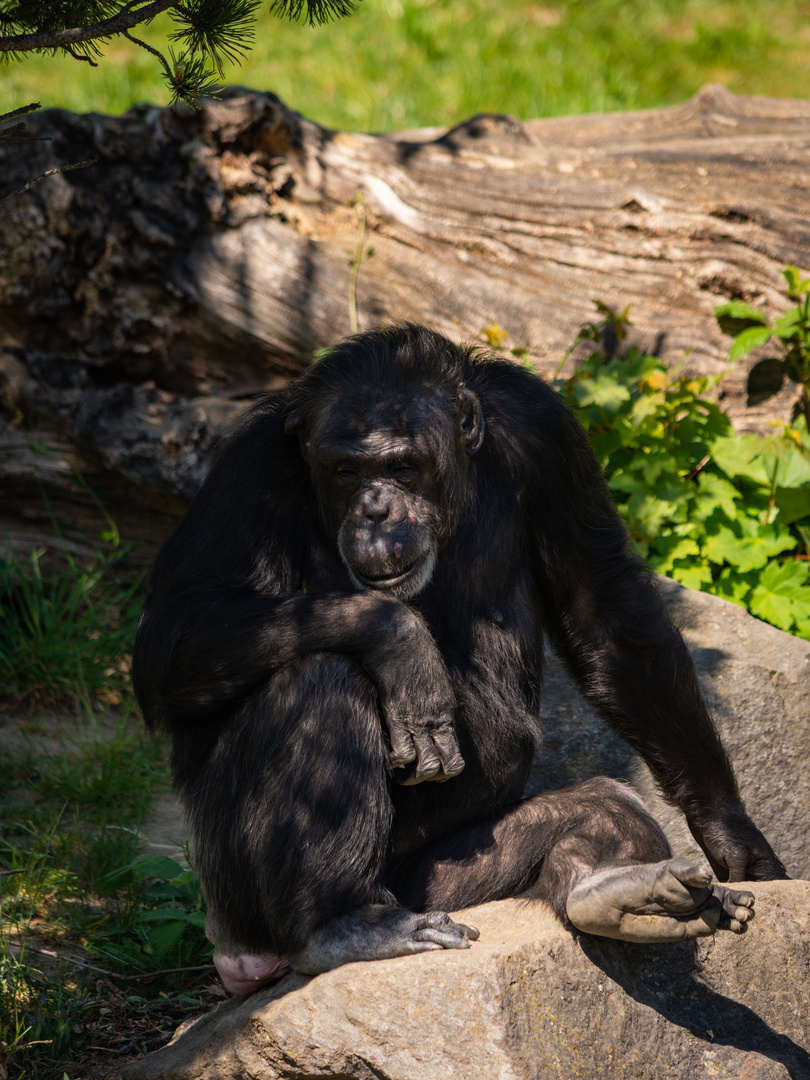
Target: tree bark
<point>202,261</point>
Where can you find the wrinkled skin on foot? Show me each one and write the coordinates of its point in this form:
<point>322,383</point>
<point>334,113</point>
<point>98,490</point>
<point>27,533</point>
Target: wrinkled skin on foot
<point>376,932</point>
<point>673,900</point>
<point>379,932</point>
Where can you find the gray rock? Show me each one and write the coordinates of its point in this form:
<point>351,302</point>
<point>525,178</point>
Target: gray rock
<point>756,680</point>
<point>528,1001</point>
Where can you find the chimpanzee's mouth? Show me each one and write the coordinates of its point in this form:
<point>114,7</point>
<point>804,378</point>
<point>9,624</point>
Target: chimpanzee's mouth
<point>389,581</point>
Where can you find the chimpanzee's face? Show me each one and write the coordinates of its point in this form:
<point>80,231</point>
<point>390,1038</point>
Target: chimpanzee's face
<point>390,474</point>
<point>384,492</point>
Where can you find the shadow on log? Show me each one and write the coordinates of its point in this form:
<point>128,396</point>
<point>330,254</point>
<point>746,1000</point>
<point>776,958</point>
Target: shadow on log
<point>145,300</point>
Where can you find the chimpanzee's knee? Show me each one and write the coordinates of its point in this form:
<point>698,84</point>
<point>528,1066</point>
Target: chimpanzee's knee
<point>618,827</point>
<point>601,822</point>
<point>291,814</point>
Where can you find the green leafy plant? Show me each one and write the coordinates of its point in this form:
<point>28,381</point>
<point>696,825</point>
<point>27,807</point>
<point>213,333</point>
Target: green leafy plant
<point>725,513</point>
<point>164,927</point>
<point>751,329</point>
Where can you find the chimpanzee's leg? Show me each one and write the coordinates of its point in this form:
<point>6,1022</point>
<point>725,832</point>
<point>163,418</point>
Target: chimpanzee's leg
<point>290,818</point>
<point>593,852</point>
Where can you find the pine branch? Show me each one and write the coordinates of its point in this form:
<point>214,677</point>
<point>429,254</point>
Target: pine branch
<point>7,133</point>
<point>189,79</point>
<point>130,15</point>
<point>22,111</point>
<point>222,28</point>
<point>317,11</point>
<point>44,176</point>
<point>155,52</point>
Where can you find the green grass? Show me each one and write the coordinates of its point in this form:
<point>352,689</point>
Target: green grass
<point>66,628</point>
<point>402,63</point>
<point>83,916</point>
<point>76,782</point>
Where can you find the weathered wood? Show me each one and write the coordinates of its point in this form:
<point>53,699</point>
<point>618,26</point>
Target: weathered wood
<point>207,254</point>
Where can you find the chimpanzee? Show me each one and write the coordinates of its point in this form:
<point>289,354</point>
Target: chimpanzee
<point>344,638</point>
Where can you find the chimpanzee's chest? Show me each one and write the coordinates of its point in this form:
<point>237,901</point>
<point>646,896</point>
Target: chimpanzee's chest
<point>489,630</point>
<point>490,635</point>
<point>493,653</point>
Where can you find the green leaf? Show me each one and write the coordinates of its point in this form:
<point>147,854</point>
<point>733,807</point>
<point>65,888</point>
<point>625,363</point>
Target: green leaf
<point>669,550</point>
<point>649,512</point>
<point>715,493</point>
<point>159,866</point>
<point>734,586</point>
<point>789,325</point>
<point>627,482</point>
<point>737,316</point>
<point>749,340</point>
<point>163,938</point>
<point>747,546</point>
<point>782,594</point>
<point>163,914</point>
<point>793,504</point>
<point>601,390</point>
<point>739,309</point>
<point>793,470</point>
<point>796,285</point>
<point>694,575</point>
<point>646,407</point>
<point>738,456</point>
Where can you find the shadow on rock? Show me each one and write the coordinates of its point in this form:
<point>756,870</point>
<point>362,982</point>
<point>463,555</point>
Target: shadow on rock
<point>670,980</point>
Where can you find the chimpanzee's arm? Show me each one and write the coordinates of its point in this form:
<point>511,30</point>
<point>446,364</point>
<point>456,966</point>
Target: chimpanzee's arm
<point>202,648</point>
<point>606,620</point>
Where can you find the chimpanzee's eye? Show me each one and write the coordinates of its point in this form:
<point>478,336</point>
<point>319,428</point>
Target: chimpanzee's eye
<point>345,477</point>
<point>405,474</point>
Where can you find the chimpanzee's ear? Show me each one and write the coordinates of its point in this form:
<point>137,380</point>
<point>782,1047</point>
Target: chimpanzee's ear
<point>294,423</point>
<point>471,420</point>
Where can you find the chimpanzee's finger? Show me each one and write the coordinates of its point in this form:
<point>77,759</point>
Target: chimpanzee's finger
<point>428,763</point>
<point>403,749</point>
<point>449,754</point>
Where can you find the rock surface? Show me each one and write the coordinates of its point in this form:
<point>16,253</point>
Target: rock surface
<point>526,1002</point>
<point>756,680</point>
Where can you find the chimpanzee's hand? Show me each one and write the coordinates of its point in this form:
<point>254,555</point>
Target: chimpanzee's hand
<point>417,701</point>
<point>432,745</point>
<point>735,847</point>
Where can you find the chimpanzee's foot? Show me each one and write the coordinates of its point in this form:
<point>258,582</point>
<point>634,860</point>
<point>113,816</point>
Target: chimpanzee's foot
<point>665,901</point>
<point>379,932</point>
<point>245,973</point>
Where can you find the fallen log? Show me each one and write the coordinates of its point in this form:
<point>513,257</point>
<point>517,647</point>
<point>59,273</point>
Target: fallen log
<point>207,256</point>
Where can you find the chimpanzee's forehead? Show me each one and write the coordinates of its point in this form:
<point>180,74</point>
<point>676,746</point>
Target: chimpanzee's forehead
<point>370,413</point>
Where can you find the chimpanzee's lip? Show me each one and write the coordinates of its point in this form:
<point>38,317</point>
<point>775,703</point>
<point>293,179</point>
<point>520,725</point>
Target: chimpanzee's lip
<point>392,580</point>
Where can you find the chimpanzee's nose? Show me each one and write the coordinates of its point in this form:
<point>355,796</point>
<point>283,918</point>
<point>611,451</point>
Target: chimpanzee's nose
<point>375,505</point>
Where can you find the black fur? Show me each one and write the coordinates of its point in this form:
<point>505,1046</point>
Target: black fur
<point>272,671</point>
